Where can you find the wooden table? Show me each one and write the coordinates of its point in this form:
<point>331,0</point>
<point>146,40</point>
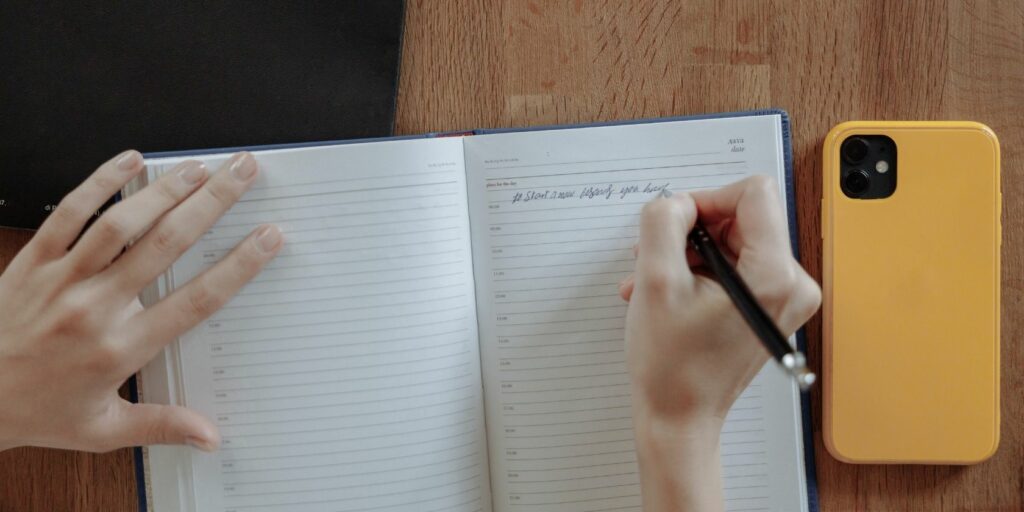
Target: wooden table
<point>489,63</point>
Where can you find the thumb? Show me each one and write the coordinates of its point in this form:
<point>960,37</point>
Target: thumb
<point>146,424</point>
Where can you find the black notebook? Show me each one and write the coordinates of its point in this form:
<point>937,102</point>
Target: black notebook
<point>82,82</point>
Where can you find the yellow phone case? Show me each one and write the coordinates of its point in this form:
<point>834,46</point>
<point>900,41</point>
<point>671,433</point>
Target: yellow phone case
<point>911,299</point>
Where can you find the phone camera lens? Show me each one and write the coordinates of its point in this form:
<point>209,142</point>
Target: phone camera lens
<point>856,183</point>
<point>855,149</point>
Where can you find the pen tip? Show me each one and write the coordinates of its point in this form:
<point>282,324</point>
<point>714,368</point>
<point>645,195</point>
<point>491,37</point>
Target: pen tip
<point>806,379</point>
<point>796,365</point>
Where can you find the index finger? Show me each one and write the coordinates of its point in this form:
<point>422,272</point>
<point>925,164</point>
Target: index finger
<point>202,296</point>
<point>178,229</point>
<point>755,210</point>
<point>64,224</point>
<point>664,225</point>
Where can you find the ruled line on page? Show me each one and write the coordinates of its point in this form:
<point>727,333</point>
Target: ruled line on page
<point>446,426</point>
<point>625,169</point>
<point>355,427</point>
<point>362,485</point>
<point>346,356</point>
<point>429,300</point>
<point>365,272</point>
<point>349,391</point>
<point>319,453</point>
<point>387,494</point>
<point>336,333</point>
<point>337,215</point>
<point>326,230</point>
<point>335,322</point>
<point>598,161</point>
<point>341,475</point>
<point>569,422</point>
<point>320,183</point>
<point>242,352</point>
<point>349,296</point>
<point>352,191</point>
<point>347,202</point>
<point>335,369</point>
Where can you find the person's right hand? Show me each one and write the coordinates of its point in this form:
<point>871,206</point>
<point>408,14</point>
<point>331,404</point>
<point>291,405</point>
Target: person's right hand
<point>71,329</point>
<point>690,352</point>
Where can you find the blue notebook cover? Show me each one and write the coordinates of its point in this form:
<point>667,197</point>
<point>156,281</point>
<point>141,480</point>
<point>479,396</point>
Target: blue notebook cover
<point>787,150</point>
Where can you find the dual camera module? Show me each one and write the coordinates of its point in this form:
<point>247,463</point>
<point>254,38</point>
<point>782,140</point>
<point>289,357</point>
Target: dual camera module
<point>868,167</point>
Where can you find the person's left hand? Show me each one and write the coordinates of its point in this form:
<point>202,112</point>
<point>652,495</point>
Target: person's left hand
<point>71,329</point>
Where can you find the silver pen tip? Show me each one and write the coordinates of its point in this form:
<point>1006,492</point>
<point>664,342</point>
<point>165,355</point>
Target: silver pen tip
<point>796,365</point>
<point>805,379</point>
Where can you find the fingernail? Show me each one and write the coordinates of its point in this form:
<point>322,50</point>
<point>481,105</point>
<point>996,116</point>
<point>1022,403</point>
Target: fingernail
<point>129,160</point>
<point>269,238</point>
<point>665,192</point>
<point>244,168</point>
<point>192,174</point>
<point>200,444</point>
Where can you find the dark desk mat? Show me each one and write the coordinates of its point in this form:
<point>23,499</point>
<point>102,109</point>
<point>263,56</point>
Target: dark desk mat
<point>80,82</point>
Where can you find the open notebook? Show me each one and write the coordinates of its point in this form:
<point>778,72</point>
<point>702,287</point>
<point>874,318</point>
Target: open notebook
<point>442,329</point>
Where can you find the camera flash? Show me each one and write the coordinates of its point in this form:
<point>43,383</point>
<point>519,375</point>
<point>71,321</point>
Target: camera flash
<point>881,166</point>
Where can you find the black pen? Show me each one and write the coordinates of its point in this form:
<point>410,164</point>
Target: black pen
<point>792,360</point>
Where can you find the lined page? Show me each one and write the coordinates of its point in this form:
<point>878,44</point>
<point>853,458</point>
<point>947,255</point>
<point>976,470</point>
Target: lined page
<point>554,216</point>
<point>346,376</point>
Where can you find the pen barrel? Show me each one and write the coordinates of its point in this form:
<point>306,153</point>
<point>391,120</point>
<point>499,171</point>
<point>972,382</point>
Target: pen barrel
<point>756,317</point>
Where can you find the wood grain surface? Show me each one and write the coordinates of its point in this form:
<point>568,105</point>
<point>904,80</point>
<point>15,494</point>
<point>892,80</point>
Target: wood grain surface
<point>489,63</point>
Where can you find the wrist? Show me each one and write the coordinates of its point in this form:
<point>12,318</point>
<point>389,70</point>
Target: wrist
<point>685,404</point>
<point>679,460</point>
<point>696,433</point>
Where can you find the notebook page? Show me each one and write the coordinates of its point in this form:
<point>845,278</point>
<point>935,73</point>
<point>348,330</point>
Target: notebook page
<point>345,376</point>
<point>554,216</point>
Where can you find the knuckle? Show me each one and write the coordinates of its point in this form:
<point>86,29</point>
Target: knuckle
<point>78,268</point>
<point>220,193</point>
<point>778,288</point>
<point>760,181</point>
<point>157,431</point>
<point>656,284</point>
<point>809,297</point>
<point>660,209</point>
<point>96,435</point>
<point>105,359</point>
<point>762,185</point>
<point>202,301</point>
<point>104,182</point>
<point>34,253</point>
<point>113,227</point>
<point>678,206</point>
<point>168,241</point>
<point>167,191</point>
<point>248,263</point>
<point>68,210</point>
<point>76,314</point>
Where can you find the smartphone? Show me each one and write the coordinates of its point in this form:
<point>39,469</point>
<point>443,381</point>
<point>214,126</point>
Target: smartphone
<point>911,239</point>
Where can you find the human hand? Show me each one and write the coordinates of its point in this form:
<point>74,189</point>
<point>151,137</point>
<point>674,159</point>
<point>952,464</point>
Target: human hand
<point>72,329</point>
<point>690,352</point>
